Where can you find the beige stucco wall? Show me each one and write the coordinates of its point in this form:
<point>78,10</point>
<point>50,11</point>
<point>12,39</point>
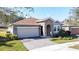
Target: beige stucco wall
<point>49,22</point>
<point>10,29</point>
<point>44,24</point>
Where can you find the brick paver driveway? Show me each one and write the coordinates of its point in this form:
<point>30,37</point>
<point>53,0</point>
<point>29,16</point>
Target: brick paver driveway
<point>32,43</point>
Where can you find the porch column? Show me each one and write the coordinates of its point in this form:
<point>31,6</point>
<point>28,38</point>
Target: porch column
<point>51,30</point>
<point>44,30</point>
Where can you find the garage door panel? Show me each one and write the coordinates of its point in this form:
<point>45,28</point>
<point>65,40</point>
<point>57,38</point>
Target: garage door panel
<point>27,31</point>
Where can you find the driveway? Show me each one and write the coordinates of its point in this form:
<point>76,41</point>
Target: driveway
<point>58,47</point>
<point>33,43</point>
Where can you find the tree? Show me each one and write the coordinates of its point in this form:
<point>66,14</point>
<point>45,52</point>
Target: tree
<point>73,19</point>
<point>75,15</point>
<point>75,12</point>
<point>23,11</point>
<point>9,15</point>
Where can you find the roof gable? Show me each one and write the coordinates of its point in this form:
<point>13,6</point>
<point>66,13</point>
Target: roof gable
<point>32,21</point>
<point>45,20</point>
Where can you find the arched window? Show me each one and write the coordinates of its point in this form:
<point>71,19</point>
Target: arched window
<point>58,28</point>
<point>54,28</point>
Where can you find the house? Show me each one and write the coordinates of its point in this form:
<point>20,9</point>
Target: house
<point>32,27</point>
<point>74,29</point>
<point>2,25</point>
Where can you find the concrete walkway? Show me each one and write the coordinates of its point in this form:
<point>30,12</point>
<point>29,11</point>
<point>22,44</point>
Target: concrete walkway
<point>58,47</point>
<point>36,43</point>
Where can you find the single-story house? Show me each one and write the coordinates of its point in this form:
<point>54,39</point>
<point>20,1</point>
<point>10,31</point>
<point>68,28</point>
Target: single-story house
<point>2,25</point>
<point>32,27</point>
<point>73,29</point>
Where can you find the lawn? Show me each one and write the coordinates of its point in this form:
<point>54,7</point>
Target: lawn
<point>59,41</point>
<point>14,45</point>
<point>75,46</point>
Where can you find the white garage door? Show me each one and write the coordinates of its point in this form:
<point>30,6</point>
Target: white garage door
<point>27,32</point>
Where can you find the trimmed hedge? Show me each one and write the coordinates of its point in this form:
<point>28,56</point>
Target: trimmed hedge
<point>8,35</point>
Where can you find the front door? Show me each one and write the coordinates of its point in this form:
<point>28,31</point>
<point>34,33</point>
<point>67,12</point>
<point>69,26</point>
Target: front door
<point>41,30</point>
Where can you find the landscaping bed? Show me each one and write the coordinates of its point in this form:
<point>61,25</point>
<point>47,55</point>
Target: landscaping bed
<point>64,37</point>
<point>6,36</point>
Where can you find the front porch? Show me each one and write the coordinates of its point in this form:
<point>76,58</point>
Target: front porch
<point>46,28</point>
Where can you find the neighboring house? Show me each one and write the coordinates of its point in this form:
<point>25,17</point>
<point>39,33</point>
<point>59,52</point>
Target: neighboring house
<point>66,28</point>
<point>73,29</point>
<point>2,25</point>
<point>32,27</point>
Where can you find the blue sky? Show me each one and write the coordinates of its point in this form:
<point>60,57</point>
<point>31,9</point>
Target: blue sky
<point>57,13</point>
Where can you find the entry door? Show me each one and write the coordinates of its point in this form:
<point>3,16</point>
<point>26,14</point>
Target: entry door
<point>41,30</point>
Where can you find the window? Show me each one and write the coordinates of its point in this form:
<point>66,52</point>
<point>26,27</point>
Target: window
<point>54,28</point>
<point>58,28</point>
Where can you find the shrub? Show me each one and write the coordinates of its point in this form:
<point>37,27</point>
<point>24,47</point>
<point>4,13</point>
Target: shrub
<point>13,37</point>
<point>67,32</point>
<point>74,36</point>
<point>62,33</point>
<point>8,35</point>
<point>7,31</point>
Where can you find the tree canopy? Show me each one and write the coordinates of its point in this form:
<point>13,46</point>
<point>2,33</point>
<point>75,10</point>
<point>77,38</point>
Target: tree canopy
<point>11,14</point>
<point>73,19</point>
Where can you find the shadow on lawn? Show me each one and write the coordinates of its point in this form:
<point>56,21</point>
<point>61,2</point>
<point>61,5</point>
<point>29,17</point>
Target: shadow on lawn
<point>3,42</point>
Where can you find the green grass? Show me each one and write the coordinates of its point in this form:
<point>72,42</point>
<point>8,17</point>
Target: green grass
<point>64,41</point>
<point>15,45</point>
<point>75,46</point>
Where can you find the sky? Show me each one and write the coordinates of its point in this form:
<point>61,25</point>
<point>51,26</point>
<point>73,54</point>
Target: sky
<point>57,13</point>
